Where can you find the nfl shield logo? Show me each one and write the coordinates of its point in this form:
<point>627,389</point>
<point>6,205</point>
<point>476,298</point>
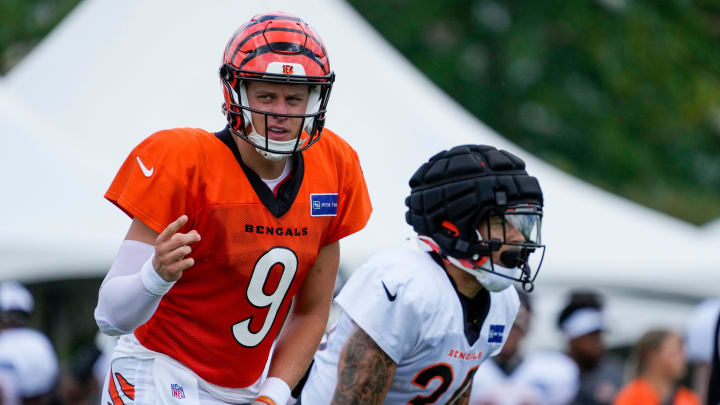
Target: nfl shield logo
<point>177,391</point>
<point>496,333</point>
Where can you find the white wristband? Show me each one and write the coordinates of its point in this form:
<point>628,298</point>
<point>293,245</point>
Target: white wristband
<point>276,389</point>
<point>152,281</point>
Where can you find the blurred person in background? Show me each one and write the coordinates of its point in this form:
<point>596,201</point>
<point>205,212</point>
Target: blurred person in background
<point>91,364</point>
<point>77,385</point>
<point>511,378</point>
<point>659,360</point>
<point>713,387</point>
<point>27,357</point>
<point>582,324</point>
<point>699,333</point>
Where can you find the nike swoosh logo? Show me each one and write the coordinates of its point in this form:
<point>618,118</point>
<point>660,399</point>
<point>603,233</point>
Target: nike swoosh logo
<point>144,169</point>
<point>390,297</point>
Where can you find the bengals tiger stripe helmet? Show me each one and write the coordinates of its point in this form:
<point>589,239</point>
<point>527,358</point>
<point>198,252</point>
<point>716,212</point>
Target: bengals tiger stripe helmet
<point>277,48</point>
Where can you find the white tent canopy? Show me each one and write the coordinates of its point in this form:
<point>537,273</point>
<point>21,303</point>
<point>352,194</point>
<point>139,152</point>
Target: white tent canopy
<point>114,72</point>
<point>47,228</point>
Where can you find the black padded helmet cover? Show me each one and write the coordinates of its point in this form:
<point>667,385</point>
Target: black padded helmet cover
<point>463,185</point>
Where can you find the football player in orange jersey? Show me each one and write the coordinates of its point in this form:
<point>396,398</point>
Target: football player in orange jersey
<point>231,228</point>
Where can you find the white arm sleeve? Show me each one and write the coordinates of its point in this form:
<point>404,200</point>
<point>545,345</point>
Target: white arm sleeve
<point>131,291</point>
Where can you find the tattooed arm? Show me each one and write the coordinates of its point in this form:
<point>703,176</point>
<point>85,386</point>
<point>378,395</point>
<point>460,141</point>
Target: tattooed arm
<point>364,372</point>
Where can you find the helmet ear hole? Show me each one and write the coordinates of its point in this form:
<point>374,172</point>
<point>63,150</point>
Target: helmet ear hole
<point>232,118</point>
<point>234,121</point>
<point>225,74</point>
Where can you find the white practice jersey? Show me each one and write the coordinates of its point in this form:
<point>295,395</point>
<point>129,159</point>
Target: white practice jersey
<point>700,331</point>
<point>407,304</point>
<point>31,358</point>
<point>542,378</point>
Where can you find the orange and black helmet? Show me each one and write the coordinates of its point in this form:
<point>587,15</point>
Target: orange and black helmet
<point>278,48</point>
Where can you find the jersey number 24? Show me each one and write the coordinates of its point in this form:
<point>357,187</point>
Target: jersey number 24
<point>444,372</point>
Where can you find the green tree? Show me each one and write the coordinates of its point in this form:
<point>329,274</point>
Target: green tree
<point>23,23</point>
<point>624,94</point>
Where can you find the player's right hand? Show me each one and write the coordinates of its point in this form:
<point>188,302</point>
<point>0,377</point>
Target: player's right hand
<point>171,247</point>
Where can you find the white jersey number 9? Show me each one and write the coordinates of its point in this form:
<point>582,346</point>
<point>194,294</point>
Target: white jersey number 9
<point>257,297</point>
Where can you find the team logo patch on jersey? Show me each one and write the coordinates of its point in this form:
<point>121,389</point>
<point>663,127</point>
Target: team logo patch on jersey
<point>496,333</point>
<point>323,205</point>
<point>177,391</point>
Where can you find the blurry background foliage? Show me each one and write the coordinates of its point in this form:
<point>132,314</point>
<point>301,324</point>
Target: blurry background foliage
<point>624,94</point>
<point>23,23</point>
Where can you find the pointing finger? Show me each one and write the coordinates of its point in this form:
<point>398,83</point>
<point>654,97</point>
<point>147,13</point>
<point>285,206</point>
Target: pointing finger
<point>171,229</point>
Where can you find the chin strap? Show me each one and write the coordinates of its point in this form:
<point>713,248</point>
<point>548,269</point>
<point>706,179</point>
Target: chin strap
<point>492,276</point>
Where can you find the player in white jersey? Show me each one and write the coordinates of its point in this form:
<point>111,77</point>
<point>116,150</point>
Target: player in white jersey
<point>28,364</point>
<point>416,324</point>
<point>699,341</point>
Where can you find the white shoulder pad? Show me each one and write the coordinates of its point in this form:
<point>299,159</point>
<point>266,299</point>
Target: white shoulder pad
<point>392,297</point>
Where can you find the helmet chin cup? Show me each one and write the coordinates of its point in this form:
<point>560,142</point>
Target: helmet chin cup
<point>493,278</point>
<point>288,146</point>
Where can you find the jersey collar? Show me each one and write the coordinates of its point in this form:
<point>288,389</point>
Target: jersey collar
<point>287,191</point>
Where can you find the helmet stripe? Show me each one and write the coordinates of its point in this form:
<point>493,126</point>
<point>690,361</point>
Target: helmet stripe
<point>266,49</point>
<point>258,32</point>
<point>275,17</point>
<point>232,45</point>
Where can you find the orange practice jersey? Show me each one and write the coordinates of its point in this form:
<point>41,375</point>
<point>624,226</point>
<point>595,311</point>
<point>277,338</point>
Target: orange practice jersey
<point>640,392</point>
<point>221,317</point>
